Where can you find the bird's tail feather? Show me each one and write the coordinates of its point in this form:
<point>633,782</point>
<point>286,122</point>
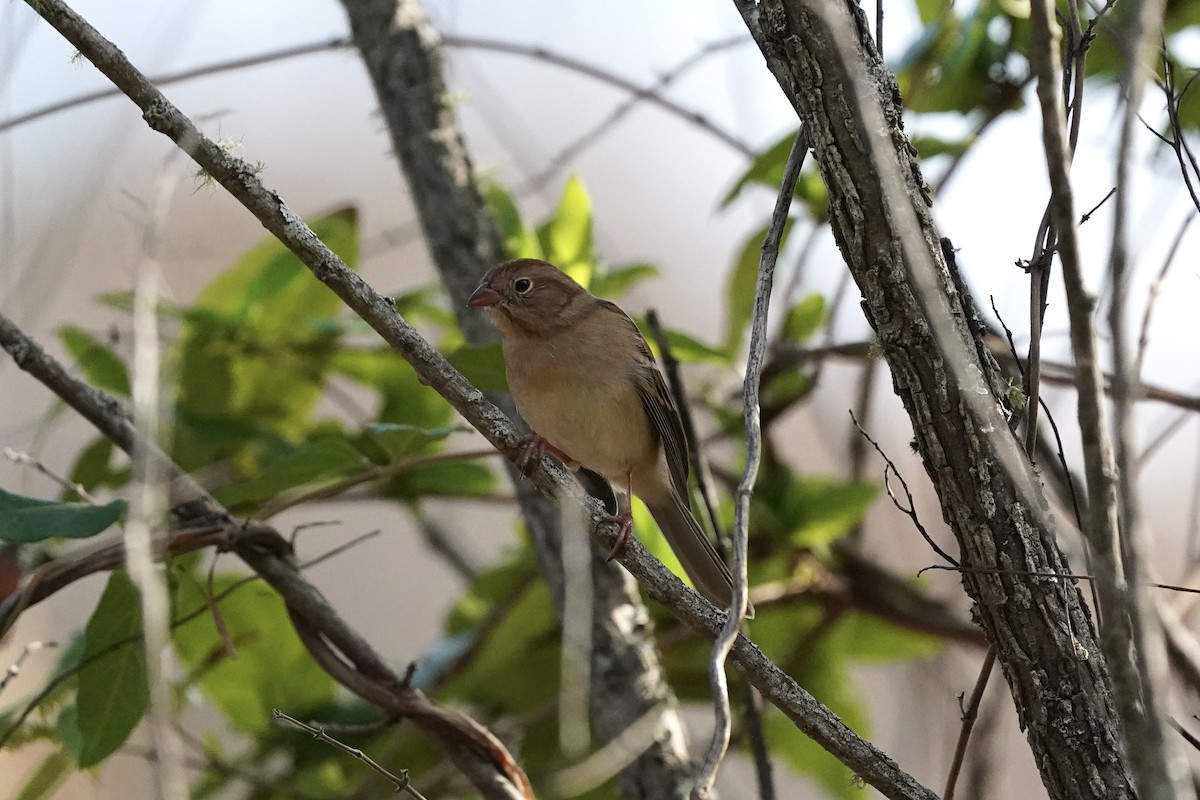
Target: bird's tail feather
<point>695,552</point>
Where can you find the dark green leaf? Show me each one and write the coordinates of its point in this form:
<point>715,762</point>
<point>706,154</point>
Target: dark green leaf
<point>766,169</point>
<point>810,512</point>
<point>102,367</point>
<point>27,519</point>
<point>686,349</point>
<point>272,668</point>
<point>112,687</point>
<point>785,389</point>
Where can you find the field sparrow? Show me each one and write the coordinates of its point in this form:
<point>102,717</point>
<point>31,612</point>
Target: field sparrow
<point>584,379</point>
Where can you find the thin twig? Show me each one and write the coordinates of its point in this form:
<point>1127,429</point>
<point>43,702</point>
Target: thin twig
<point>18,457</point>
<point>750,411</point>
<point>169,78</point>
<point>402,782</point>
<point>14,668</point>
<point>1152,296</point>
<point>970,714</point>
<point>604,76</point>
<point>571,151</point>
<point>911,511</point>
<point>1052,575</point>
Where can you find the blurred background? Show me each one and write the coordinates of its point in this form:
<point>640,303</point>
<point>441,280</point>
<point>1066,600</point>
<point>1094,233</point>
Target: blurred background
<point>77,195</point>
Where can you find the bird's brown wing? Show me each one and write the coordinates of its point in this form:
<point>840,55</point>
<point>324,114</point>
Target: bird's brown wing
<point>660,408</point>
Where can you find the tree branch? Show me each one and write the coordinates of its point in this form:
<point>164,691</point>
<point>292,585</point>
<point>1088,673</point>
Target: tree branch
<point>823,57</point>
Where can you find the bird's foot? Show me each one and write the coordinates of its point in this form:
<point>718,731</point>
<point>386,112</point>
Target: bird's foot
<point>625,520</point>
<point>532,450</point>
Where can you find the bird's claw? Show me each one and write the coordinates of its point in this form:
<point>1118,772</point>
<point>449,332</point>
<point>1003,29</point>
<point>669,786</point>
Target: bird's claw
<point>625,521</point>
<point>531,451</point>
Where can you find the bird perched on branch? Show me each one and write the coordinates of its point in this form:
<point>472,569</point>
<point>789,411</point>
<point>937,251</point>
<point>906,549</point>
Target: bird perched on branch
<point>585,380</point>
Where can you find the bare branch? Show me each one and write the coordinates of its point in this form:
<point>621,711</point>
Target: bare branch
<point>970,714</point>
<point>745,489</point>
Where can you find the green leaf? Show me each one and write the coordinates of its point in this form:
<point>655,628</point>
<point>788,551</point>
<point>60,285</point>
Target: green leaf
<point>112,687</point>
<point>482,365</point>
<point>616,282</point>
<point>92,468</point>
<point>50,774</point>
<point>404,399</point>
<point>810,512</point>
<point>805,318</point>
<point>519,241</point>
<point>686,349</point>
<point>929,146</point>
<point>320,459</point>
<point>102,367</point>
<point>272,668</point>
<point>516,668</point>
<point>566,237</point>
<point>256,346</point>
<point>786,389</point>
<point>27,519</point>
<point>269,286</point>
<point>766,169</point>
<point>742,284</point>
<point>386,443</point>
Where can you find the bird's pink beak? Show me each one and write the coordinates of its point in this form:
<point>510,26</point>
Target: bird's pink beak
<point>484,296</point>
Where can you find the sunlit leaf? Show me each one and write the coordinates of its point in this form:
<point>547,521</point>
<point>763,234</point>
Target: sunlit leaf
<point>28,519</point>
<point>567,236</point>
<point>519,241</point>
<point>272,668</point>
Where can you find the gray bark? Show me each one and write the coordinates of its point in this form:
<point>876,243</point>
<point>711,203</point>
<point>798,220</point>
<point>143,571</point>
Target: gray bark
<point>825,61</point>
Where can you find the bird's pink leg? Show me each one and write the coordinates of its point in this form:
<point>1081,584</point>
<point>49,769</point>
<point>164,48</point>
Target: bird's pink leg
<point>624,519</point>
<point>532,450</point>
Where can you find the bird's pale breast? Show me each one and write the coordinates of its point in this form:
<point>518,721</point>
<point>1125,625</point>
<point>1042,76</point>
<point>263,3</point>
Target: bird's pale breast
<point>575,390</point>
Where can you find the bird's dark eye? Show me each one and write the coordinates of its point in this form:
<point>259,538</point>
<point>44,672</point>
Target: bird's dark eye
<point>522,285</point>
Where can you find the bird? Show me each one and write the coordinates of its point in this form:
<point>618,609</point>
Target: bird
<point>585,381</point>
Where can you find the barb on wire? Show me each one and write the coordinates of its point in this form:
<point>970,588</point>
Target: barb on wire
<point>401,781</point>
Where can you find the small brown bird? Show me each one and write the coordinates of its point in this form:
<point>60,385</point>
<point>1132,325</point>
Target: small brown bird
<point>585,380</point>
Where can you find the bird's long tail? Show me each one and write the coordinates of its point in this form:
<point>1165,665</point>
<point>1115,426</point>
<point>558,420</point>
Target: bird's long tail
<point>694,551</point>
